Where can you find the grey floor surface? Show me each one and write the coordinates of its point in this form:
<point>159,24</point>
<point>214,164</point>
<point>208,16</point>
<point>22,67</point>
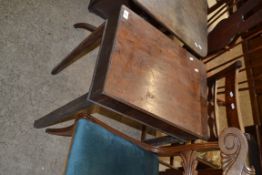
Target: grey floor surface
<point>34,36</point>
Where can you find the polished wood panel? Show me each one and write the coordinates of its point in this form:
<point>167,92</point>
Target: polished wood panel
<point>151,74</point>
<point>186,19</point>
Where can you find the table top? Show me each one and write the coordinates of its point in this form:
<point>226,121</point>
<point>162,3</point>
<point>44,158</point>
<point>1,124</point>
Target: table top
<point>149,78</point>
<point>187,19</point>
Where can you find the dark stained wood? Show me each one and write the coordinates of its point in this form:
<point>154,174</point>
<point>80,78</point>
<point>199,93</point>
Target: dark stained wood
<point>228,29</point>
<point>65,113</point>
<point>179,17</point>
<point>153,106</point>
<point>161,151</point>
<point>211,106</point>
<point>200,172</point>
<point>86,46</point>
<point>234,151</point>
<point>255,146</point>
<point>165,140</point>
<point>143,133</point>
<point>86,26</point>
<point>232,46</point>
<point>231,98</point>
<point>106,9</point>
<point>66,132</point>
<point>171,172</point>
<point>187,20</point>
<point>253,62</point>
<point>78,108</point>
<point>143,75</point>
<point>154,76</point>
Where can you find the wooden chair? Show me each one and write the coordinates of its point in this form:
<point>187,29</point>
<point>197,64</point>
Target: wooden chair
<point>97,148</point>
<point>134,158</point>
<point>69,111</point>
<point>247,16</point>
<point>79,106</point>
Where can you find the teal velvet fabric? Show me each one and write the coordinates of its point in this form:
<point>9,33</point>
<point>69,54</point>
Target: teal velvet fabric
<point>96,151</point>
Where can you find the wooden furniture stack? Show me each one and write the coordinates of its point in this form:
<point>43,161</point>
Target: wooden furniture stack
<point>253,61</point>
<point>248,20</point>
<point>143,74</point>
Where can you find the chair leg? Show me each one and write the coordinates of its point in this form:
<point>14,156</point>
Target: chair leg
<point>66,132</point>
<point>86,46</point>
<point>189,162</point>
<point>65,113</point>
<point>234,151</point>
<point>143,133</point>
<point>86,26</point>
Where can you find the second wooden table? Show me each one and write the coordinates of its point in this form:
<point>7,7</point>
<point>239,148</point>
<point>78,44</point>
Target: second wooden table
<point>149,78</point>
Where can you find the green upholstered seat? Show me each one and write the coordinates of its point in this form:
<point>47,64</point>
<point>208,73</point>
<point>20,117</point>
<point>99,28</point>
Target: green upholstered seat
<point>96,151</point>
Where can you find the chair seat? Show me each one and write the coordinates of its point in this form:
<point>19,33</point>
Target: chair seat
<point>96,151</point>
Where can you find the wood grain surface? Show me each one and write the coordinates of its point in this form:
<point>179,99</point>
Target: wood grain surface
<point>152,74</point>
<point>187,19</point>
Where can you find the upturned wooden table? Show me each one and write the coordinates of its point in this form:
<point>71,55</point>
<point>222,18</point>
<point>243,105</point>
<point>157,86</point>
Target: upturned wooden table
<point>142,74</point>
<point>186,19</point>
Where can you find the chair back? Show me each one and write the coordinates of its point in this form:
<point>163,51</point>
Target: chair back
<point>231,99</point>
<point>247,16</point>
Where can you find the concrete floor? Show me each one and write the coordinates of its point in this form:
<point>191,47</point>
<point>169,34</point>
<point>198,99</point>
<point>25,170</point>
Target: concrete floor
<point>34,36</point>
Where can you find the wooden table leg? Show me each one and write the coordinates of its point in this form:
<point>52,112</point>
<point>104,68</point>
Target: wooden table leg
<point>65,113</point>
